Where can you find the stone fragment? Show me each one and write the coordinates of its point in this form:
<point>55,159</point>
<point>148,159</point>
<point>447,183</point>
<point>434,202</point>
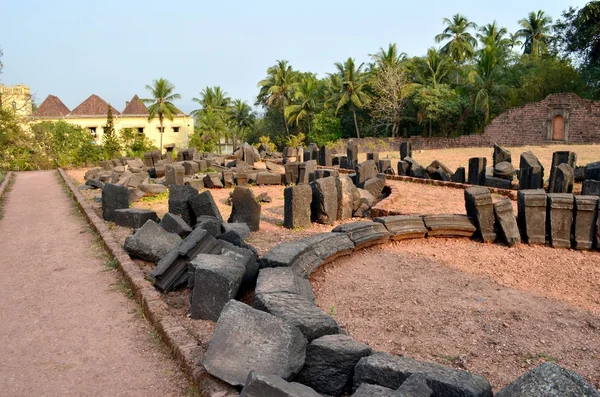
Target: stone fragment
<point>191,167</point>
<point>275,168</point>
<point>243,256</point>
<point>373,156</point>
<point>477,167</point>
<point>402,227</point>
<point>351,155</point>
<point>374,186</point>
<point>563,179</point>
<point>204,204</point>
<point>306,172</point>
<point>247,339</point>
<point>478,203</point>
<point>325,172</point>
<point>196,183</point>
<point>449,226</point>
<point>175,224</point>
<point>216,281</point>
<point>365,171</point>
<point>347,195</point>
<point>283,280</point>
<point>415,386</point>
<point>296,206</point>
<point>152,189</point>
<point>330,362</point>
<point>459,175</point>
<point>403,168</point>
<point>151,242</point>
<point>324,200</point>
<point>506,222</point>
<point>531,172</point>
<point>549,380</point>
<point>291,173</point>
<point>369,390</point>
<point>578,173</point>
<point>504,170</point>
<point>134,218</point>
<point>264,198</point>
<point>179,202</point>
<point>584,222</point>
<point>174,174</point>
<point>212,181</point>
<point>558,158</point>
<point>592,171</point>
<point>268,178</point>
<point>209,223</point>
<point>590,188</point>
<point>134,195</point>
<point>263,385</point>
<point>364,233</point>
<point>384,164</point>
<point>405,150</point>
<point>415,169</point>
<point>227,177</point>
<point>391,371</point>
<point>559,219</point>
<point>501,155</point>
<point>113,198</point>
<point>241,229</point>
<point>498,183</point>
<point>531,205</point>
<point>325,156</point>
<point>245,209</point>
<point>95,184</point>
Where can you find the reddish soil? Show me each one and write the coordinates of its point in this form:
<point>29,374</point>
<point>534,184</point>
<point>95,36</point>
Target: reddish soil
<point>490,309</point>
<point>67,329</point>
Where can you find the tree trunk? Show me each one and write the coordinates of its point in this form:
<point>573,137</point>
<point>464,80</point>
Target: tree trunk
<point>356,124</point>
<point>287,129</point>
<point>160,119</point>
<point>456,73</point>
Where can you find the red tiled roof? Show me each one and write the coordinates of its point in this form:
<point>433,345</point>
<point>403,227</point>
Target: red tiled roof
<point>135,107</point>
<point>93,106</point>
<point>51,107</point>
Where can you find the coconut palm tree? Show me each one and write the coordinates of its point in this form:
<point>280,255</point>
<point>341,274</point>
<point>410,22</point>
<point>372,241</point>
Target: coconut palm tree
<point>306,98</point>
<point>461,44</point>
<point>514,41</point>
<point>348,88</point>
<point>276,88</point>
<point>483,81</point>
<point>241,118</point>
<point>430,70</point>
<point>494,38</point>
<point>535,31</point>
<point>161,103</point>
<point>212,98</point>
<point>211,126</point>
<point>388,57</point>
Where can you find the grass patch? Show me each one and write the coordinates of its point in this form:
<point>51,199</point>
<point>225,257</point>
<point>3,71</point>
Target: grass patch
<point>194,391</point>
<point>112,264</point>
<point>541,356</point>
<point>124,287</point>
<point>154,199</point>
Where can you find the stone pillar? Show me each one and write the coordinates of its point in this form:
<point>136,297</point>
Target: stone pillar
<point>532,215</point>
<point>403,167</point>
<point>324,200</point>
<point>306,172</point>
<point>563,179</point>
<point>405,150</point>
<point>501,155</point>
<point>459,175</point>
<point>352,154</point>
<point>373,156</point>
<point>325,157</point>
<point>477,170</point>
<point>531,174</point>
<point>479,205</point>
<point>558,158</point>
<point>559,219</point>
<point>384,164</point>
<point>506,221</point>
<point>584,219</point>
<point>364,171</point>
<point>174,174</point>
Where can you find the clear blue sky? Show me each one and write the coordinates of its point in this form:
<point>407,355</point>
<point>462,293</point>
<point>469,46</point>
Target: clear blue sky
<point>114,48</point>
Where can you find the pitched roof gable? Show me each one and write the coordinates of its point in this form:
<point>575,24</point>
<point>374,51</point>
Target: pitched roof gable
<point>51,107</point>
<point>135,107</point>
<point>93,106</point>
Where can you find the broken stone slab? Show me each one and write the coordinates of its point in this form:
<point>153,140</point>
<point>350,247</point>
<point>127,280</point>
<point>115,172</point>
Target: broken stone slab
<point>134,218</point>
<point>209,223</point>
<point>152,189</point>
<point>113,198</point>
<point>95,184</point>
<point>592,171</point>
<point>384,164</point>
<point>283,279</point>
<point>241,229</point>
<point>196,183</point>
<point>179,197</point>
<point>291,173</point>
<point>449,226</point>
<point>330,362</point>
<point>301,313</point>
<point>325,156</point>
<point>204,204</point>
<point>405,150</point>
<point>504,170</point>
<point>268,178</point>
<point>325,172</point>
<point>190,167</point>
<point>134,195</point>
<point>217,279</point>
<point>477,167</point>
<point>563,178</point>
<point>245,209</point>
<point>175,224</point>
<point>531,204</point>
<point>212,181</point>
<point>439,175</point>
<point>369,390</point>
<point>245,256</point>
<point>549,380</point>
<point>391,371</point>
<point>275,168</point>
<point>374,186</point>
<point>402,227</point>
<point>93,173</point>
<point>296,206</point>
<point>264,198</point>
<point>559,219</point>
<point>246,339</point>
<point>373,156</point>
<point>531,174</point>
<point>264,385</point>
<point>364,233</point>
<point>365,171</point>
<point>558,158</point>
<point>151,242</point>
<point>479,206</point>
<point>324,200</point>
<point>584,222</point>
<point>498,183</point>
<point>506,222</point>
<point>501,155</point>
<point>459,175</point>
<point>174,174</point>
<point>227,177</point>
<point>306,172</point>
<point>590,188</point>
<point>415,386</point>
<point>347,195</point>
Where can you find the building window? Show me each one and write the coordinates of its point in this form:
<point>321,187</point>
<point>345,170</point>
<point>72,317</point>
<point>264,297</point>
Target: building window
<point>175,129</point>
<point>93,131</point>
<point>160,129</point>
<point>140,130</point>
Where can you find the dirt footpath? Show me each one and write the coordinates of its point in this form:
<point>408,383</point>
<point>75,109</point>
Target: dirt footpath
<point>66,327</point>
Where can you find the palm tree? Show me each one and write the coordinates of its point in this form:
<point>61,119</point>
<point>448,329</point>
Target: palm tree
<point>389,57</point>
<point>461,44</point>
<point>535,32</point>
<point>514,41</point>
<point>483,81</point>
<point>494,38</point>
<point>212,98</point>
<point>275,89</point>
<point>306,95</point>
<point>349,88</point>
<point>430,70</point>
<point>211,126</point>
<point>241,117</point>
<point>161,103</point>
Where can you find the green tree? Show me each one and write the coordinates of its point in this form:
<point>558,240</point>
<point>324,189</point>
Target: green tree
<point>242,119</point>
<point>535,31</point>
<point>276,88</point>
<point>212,98</point>
<point>348,88</point>
<point>483,81</point>
<point>390,88</point>
<point>437,105</point>
<point>161,103</point>
<point>110,140</point>
<point>327,128</point>
<point>495,39</point>
<point>306,96</point>
<point>390,57</point>
<point>210,128</point>
<point>461,44</point>
<point>135,144</point>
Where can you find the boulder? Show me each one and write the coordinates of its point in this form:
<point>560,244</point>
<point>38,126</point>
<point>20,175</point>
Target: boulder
<point>402,227</point>
<point>477,167</point>
<point>479,206</point>
<point>151,242</point>
<point>175,224</point>
<point>179,202</point>
<point>506,222</point>
<point>330,362</point>
<point>283,280</point>
<point>584,222</point>
<point>245,209</point>
<point>264,385</point>
<point>246,339</point>
<point>113,198</point>
<point>134,218</point>
<point>369,390</point>
<point>297,206</point>
<point>415,386</point>
<point>531,174</point>
<point>324,200</point>
<point>559,219</point>
<point>204,204</point>
<point>364,233</point>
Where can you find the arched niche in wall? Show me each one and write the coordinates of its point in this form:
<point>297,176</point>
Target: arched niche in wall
<point>558,123</point>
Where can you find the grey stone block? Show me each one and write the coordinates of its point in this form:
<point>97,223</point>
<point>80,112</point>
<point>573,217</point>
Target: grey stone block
<point>330,362</point>
<point>306,172</point>
<point>558,158</point>
<point>268,178</point>
<point>245,209</point>
<point>374,186</point>
<point>501,155</point>
<point>195,183</point>
<point>179,197</point>
<point>325,172</point>
<point>365,171</point>
<point>373,156</point>
<point>415,386</point>
<point>152,189</point>
<point>212,181</point>
<point>498,183</point>
<point>590,188</point>
<point>247,339</point>
<point>324,200</point>
<point>506,222</point>
<point>478,203</point>
<point>449,226</point>
<point>297,206</point>
<point>261,385</point>
<point>174,174</point>
<point>352,155</point>
<point>405,150</point>
<point>174,224</point>
<point>227,177</point>
<point>204,204</point>
<point>531,204</point>
<point>592,171</point>
<point>584,222</point>
<point>95,184</point>
<point>403,168</point>
<point>283,279</point>
<point>531,174</point>
<point>134,218</point>
<point>325,156</point>
<point>369,390</point>
<point>504,170</point>
<point>559,219</point>
<point>459,175</point>
<point>191,167</point>
<point>477,167</point>
<point>364,233</point>
<point>241,229</point>
<point>347,195</point>
<point>211,224</point>
<point>244,256</point>
<point>402,227</point>
<point>151,242</point>
<point>563,179</point>
<point>113,198</point>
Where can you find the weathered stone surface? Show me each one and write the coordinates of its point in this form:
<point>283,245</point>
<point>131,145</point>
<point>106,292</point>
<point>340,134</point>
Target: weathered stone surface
<point>506,222</point>
<point>245,209</point>
<point>324,200</point>
<point>459,175</point>
<point>175,224</point>
<point>501,155</point>
<point>196,183</point>
<point>95,184</point>
<point>373,156</point>
<point>531,172</point>
<point>152,189</point>
<point>405,150</point>
<point>291,173</point>
<point>241,229</point>
<point>391,371</point>
<point>584,222</point>
<point>243,256</point>
<point>415,169</point>
<point>212,181</point>
<point>364,233</point>
<point>549,380</point>
<point>227,177</point>
<point>296,206</point>
<point>134,218</point>
<point>384,164</point>
<point>134,195</point>
<point>558,158</point>
<point>478,202</point>
<point>531,205</point>
<point>449,226</point>
<point>191,167</point>
<point>402,227</point>
<point>365,171</point>
<point>283,280</point>
<point>217,279</point>
<point>403,168</point>
<point>204,204</point>
<point>174,174</point>
<point>374,186</point>
<point>313,152</point>
<point>477,167</point>
<point>306,172</point>
<point>260,385</point>
<point>563,179</point>
<point>415,386</point>
<point>590,188</point>
<point>209,223</point>
<point>151,242</point>
<point>369,390</point>
<point>330,362</point>
<point>504,170</point>
<point>498,183</point>
<point>439,174</point>
<point>352,155</point>
<point>268,178</point>
<point>347,195</point>
<point>559,219</point>
<point>113,198</point>
<point>325,156</point>
<point>264,198</point>
<point>179,197</point>
<point>326,172</point>
<point>592,171</point>
<point>247,339</point>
